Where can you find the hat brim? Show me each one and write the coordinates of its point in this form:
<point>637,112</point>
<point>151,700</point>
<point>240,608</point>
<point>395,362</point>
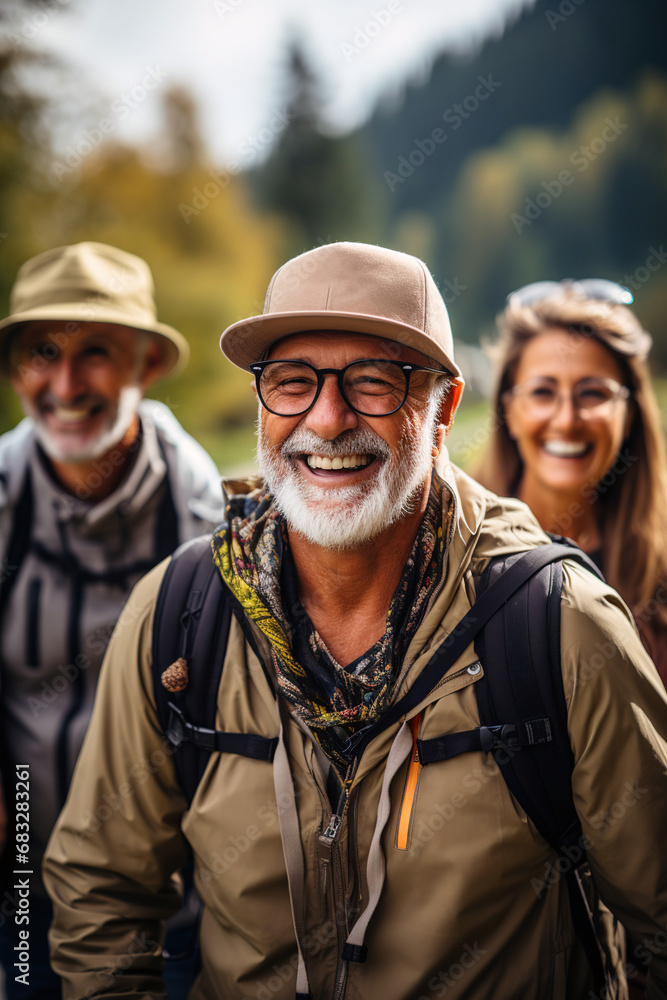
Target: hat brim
<point>174,346</point>
<point>245,342</point>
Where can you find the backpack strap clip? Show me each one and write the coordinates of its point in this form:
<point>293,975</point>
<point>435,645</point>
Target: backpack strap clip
<point>498,738</point>
<point>181,731</point>
<point>489,739</point>
<point>176,731</point>
<point>514,736</point>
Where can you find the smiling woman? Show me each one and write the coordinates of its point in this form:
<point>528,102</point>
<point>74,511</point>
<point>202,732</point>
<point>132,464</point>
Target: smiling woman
<point>577,437</point>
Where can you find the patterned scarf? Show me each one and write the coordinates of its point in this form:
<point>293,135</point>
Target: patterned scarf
<point>252,554</point>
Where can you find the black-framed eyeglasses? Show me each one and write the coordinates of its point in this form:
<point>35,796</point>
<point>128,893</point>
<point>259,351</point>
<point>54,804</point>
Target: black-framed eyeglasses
<point>591,288</point>
<point>371,387</point>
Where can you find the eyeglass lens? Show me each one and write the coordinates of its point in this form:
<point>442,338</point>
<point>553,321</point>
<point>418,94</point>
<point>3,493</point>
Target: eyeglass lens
<point>590,397</point>
<point>370,387</point>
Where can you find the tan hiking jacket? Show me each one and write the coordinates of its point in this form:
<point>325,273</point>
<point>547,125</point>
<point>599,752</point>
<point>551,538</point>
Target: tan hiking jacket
<point>435,870</point>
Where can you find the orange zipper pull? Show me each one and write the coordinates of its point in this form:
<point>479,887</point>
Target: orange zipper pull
<point>410,790</point>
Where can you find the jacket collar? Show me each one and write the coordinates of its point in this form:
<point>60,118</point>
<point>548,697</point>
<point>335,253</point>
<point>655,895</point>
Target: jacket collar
<point>147,473</point>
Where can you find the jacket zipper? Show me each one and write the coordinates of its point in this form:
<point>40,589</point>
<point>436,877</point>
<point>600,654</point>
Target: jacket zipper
<point>329,853</point>
<point>325,855</point>
<point>341,925</point>
<point>410,792</point>
<point>331,870</point>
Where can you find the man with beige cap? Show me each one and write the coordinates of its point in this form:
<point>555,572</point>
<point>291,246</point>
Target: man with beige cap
<point>353,834</point>
<point>96,487</point>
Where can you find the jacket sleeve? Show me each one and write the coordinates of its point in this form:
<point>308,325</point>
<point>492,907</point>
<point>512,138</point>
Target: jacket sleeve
<point>617,723</point>
<point>111,862</point>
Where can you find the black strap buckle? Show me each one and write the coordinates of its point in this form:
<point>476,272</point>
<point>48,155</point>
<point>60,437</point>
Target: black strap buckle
<point>177,730</point>
<point>498,737</point>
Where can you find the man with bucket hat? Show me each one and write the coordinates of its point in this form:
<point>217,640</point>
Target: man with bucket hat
<point>332,762</point>
<point>96,487</point>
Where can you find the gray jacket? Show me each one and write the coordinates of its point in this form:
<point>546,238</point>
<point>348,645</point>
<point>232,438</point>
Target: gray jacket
<point>79,563</point>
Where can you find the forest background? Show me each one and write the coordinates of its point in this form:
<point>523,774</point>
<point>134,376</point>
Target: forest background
<point>539,152</point>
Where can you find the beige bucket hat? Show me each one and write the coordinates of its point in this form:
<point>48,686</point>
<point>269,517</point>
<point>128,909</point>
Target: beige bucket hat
<point>91,283</point>
<point>348,286</point>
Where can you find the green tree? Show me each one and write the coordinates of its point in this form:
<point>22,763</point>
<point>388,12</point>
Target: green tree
<point>24,149</point>
<point>210,251</point>
<point>323,184</point>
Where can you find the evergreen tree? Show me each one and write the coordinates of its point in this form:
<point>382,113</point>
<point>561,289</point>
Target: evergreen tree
<point>322,183</point>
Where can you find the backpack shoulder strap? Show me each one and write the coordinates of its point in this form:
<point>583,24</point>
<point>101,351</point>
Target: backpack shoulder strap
<point>190,632</point>
<point>488,604</point>
<point>189,597</point>
<point>19,541</point>
<point>520,650</point>
<point>521,653</point>
<point>167,524</point>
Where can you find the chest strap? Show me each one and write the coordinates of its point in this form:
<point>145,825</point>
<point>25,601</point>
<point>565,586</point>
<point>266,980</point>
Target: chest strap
<point>251,745</point>
<point>486,738</point>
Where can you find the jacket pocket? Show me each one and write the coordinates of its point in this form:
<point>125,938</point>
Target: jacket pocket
<point>410,790</point>
<point>450,684</point>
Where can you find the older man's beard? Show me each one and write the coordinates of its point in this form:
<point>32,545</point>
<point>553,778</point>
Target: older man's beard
<point>345,517</point>
<point>60,449</point>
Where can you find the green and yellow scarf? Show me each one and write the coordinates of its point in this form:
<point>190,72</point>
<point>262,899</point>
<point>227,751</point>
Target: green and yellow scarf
<point>252,554</point>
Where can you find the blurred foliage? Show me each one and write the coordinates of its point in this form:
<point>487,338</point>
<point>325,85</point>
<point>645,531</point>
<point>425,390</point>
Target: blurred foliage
<point>211,252</point>
<point>323,185</point>
<point>213,237</point>
<point>543,68</point>
<point>553,78</point>
<point>589,201</point>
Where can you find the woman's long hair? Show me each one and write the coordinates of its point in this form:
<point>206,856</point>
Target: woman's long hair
<point>631,502</point>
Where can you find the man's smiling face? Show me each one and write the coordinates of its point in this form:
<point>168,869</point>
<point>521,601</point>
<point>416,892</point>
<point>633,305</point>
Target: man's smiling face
<point>337,477</point>
<point>81,388</point>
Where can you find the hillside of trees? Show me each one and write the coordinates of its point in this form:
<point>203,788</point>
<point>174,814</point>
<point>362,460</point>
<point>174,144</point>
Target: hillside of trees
<point>541,154</point>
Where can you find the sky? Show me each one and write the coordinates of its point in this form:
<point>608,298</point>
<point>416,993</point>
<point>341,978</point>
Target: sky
<point>231,55</point>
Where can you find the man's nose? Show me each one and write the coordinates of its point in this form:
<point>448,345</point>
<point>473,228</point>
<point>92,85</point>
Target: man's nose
<point>66,381</point>
<point>330,415</point>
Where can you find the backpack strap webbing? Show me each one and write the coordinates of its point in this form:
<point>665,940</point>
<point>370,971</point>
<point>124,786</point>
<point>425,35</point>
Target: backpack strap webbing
<point>192,621</point>
<point>520,649</point>
<point>463,634</point>
<point>17,546</point>
<point>19,541</point>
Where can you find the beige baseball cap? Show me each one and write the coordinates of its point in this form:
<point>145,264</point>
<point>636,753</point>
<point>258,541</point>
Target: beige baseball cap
<point>91,283</point>
<point>348,286</point>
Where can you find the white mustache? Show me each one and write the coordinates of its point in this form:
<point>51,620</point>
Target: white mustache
<point>85,399</point>
<point>351,442</point>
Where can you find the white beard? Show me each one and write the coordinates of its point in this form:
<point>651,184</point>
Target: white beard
<point>347,516</point>
<point>59,449</point>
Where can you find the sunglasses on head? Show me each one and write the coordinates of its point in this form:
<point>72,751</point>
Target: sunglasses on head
<point>591,288</point>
